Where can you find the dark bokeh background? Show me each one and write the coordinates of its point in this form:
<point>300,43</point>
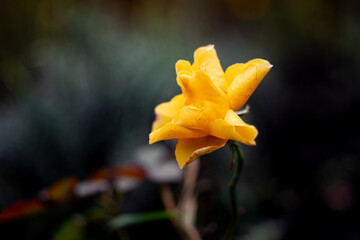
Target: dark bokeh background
<point>79,81</point>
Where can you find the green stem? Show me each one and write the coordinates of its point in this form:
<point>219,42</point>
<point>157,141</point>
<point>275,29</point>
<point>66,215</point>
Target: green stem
<point>232,188</point>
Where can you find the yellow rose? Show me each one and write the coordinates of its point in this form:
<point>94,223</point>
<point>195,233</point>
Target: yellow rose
<point>202,118</point>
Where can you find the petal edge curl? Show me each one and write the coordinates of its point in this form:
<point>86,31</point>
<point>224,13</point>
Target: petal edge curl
<point>232,127</point>
<point>188,150</point>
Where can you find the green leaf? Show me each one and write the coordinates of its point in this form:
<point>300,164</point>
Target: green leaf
<point>125,220</point>
<point>72,229</point>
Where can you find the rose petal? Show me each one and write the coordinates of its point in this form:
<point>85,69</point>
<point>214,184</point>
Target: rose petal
<point>171,131</point>
<point>206,57</point>
<point>243,80</point>
<point>166,111</point>
<point>183,65</point>
<point>232,127</point>
<point>188,150</point>
<point>200,87</point>
<point>200,116</point>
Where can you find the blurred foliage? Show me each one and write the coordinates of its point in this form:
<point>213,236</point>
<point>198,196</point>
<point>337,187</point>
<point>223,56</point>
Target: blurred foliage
<point>92,208</point>
<point>79,80</point>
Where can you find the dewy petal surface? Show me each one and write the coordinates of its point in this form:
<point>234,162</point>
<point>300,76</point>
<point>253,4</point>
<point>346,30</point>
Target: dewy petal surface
<point>165,112</point>
<point>243,80</point>
<point>233,127</point>
<point>172,131</point>
<point>188,150</point>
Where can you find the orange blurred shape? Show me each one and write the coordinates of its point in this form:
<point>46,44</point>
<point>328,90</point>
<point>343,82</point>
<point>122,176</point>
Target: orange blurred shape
<point>60,191</point>
<point>21,209</point>
<point>117,171</point>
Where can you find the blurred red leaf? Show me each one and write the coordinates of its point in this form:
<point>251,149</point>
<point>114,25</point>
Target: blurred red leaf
<point>21,209</point>
<point>117,171</point>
